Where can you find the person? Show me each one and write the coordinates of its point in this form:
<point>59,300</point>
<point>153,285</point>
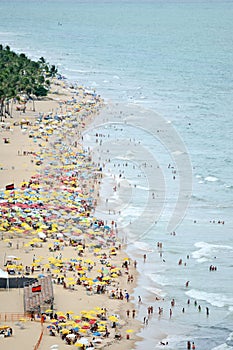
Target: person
<point>188,345</point>
<point>144,257</point>
<point>193,346</point>
<point>187,284</point>
<point>51,333</point>
<point>9,332</point>
<point>207,311</point>
<point>42,319</point>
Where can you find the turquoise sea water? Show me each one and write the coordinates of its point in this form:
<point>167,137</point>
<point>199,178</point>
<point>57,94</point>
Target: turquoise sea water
<point>174,58</point>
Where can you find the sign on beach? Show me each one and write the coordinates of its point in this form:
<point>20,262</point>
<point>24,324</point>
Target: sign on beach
<point>36,289</point>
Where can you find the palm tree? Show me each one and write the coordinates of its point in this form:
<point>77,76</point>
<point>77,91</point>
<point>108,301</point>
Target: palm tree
<point>21,75</point>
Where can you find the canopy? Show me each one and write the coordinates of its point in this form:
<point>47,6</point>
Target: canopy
<point>3,274</point>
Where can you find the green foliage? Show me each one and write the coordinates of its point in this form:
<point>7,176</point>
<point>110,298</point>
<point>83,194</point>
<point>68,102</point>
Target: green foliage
<point>41,91</point>
<point>20,75</point>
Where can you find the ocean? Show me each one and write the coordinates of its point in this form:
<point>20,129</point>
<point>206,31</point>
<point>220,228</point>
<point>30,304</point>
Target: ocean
<point>164,69</point>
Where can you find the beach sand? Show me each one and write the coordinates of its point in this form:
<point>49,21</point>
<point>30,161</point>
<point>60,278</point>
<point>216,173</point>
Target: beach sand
<point>19,161</point>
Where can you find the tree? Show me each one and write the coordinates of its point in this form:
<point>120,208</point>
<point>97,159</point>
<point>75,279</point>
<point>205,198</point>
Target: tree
<point>20,75</point>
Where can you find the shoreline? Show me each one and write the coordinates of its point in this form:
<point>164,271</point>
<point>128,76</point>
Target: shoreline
<point>41,150</point>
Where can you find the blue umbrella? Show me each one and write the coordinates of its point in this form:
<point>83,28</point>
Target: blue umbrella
<point>97,334</point>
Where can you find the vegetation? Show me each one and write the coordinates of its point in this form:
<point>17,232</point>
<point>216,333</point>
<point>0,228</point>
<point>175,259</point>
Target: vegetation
<point>21,76</point>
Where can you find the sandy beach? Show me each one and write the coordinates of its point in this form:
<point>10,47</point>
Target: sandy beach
<point>48,228</point>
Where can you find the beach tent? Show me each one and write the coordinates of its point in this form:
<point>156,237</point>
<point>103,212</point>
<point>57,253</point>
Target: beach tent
<point>4,274</point>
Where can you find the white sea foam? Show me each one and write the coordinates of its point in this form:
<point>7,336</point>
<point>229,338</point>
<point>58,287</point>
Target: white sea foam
<point>143,188</point>
<point>177,153</point>
<point>143,246</point>
<point>211,178</point>
<point>208,251</point>
<point>159,279</point>
<point>222,347</point>
<point>227,345</point>
<point>215,299</point>
<point>158,292</point>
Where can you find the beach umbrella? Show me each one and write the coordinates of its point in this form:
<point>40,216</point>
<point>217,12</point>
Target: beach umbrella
<point>97,334</point>
<point>12,257</point>
<point>113,318</point>
<point>85,327</point>
<point>71,336</point>
<point>101,328</point>
<point>82,330</point>
<point>129,331</point>
<point>77,317</point>
<point>106,278</point>
<point>51,326</point>
<point>48,311</point>
<point>70,312</point>
<point>61,317</point>
<point>114,275</point>
<point>83,341</point>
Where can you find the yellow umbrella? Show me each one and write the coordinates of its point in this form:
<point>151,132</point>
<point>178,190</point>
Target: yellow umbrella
<point>113,318</point>
<point>107,278</point>
<point>76,317</point>
<point>60,313</point>
<point>70,312</point>
<point>83,278</point>
<point>84,312</point>
<point>114,275</point>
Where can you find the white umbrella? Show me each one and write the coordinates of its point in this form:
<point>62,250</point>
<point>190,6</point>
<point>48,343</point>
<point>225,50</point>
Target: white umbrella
<point>59,235</point>
<point>71,335</point>
<point>83,341</point>
<point>11,257</point>
<point>41,235</point>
